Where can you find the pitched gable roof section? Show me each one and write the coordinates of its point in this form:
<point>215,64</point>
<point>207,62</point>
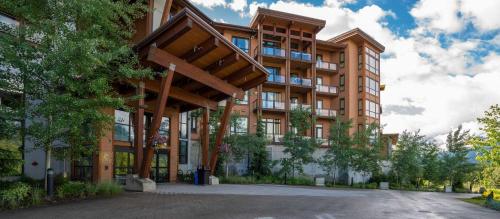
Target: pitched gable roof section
<point>357,32</point>
<point>264,12</point>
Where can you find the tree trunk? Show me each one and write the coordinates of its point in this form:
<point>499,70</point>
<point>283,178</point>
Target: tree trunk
<point>48,155</point>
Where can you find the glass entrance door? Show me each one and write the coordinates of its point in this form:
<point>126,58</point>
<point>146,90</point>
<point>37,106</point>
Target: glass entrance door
<point>159,166</point>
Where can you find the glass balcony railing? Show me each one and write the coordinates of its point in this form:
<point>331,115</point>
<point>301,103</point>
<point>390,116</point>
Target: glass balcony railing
<point>302,56</point>
<point>300,81</point>
<point>271,104</point>
<point>272,51</point>
<point>297,105</point>
<point>326,65</point>
<point>326,89</point>
<point>326,112</point>
<point>276,79</point>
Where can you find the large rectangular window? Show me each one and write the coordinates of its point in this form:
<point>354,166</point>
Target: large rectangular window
<point>360,107</point>
<point>272,128</point>
<point>372,86</point>
<point>183,125</point>
<point>360,83</point>
<point>342,59</point>
<point>372,61</point>
<point>319,131</point>
<point>123,163</point>
<point>240,126</point>
<point>342,82</point>
<point>272,70</point>
<point>360,58</point>
<point>372,109</point>
<point>242,43</point>
<point>342,106</point>
<point>123,129</point>
<point>183,152</point>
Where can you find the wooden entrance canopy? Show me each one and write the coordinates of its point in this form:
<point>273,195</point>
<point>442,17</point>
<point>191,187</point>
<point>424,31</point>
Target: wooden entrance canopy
<point>202,68</point>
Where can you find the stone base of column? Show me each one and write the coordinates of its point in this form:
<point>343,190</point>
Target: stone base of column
<point>136,184</point>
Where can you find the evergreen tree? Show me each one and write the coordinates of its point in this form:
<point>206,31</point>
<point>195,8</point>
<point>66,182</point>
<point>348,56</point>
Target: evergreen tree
<point>456,163</point>
<point>406,158</point>
<point>367,151</point>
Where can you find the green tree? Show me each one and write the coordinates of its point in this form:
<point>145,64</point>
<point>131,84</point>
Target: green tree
<point>406,158</point>
<point>431,162</point>
<point>455,159</point>
<point>488,147</point>
<point>298,147</point>
<point>339,154</point>
<point>366,156</point>
<point>64,58</point>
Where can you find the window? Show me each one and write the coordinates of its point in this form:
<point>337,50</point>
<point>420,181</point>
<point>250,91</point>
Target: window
<point>319,104</point>
<point>239,127</point>
<point>273,70</point>
<point>360,107</point>
<point>272,128</point>
<point>242,43</point>
<point>372,86</point>
<point>372,61</point>
<point>319,131</point>
<point>319,57</point>
<point>342,59</point>
<point>164,129</point>
<point>360,83</point>
<point>123,129</point>
<point>183,151</point>
<point>342,82</point>
<point>194,124</point>
<point>360,58</point>
<point>123,163</point>
<point>372,109</point>
<point>294,100</point>
<point>294,46</point>
<point>342,106</point>
<point>271,44</point>
<point>244,100</point>
<point>183,125</point>
<point>271,96</point>
<point>319,80</point>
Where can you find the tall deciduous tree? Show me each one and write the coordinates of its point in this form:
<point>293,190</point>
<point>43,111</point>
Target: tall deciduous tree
<point>366,154</point>
<point>456,163</point>
<point>340,152</point>
<point>488,147</point>
<point>406,158</point>
<point>64,57</point>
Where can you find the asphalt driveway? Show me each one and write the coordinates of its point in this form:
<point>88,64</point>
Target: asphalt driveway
<point>264,201</point>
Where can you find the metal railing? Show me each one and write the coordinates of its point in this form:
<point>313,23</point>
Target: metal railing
<point>297,105</point>
<point>302,56</point>
<point>301,81</point>
<point>326,112</point>
<point>276,79</point>
<point>326,89</point>
<point>272,51</point>
<point>326,65</point>
<point>271,104</point>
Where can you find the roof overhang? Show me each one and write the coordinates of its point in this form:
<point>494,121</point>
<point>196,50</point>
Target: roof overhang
<point>291,19</point>
<point>207,65</point>
<point>357,34</point>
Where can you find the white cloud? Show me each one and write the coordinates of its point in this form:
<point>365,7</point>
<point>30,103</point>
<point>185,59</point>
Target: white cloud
<point>238,5</point>
<point>209,3</point>
<point>483,13</point>
<point>439,15</point>
<point>252,8</point>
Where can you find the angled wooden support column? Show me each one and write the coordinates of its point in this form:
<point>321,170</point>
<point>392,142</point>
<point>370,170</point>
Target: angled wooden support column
<point>139,128</point>
<point>205,141</point>
<point>166,83</point>
<point>224,122</point>
<point>166,11</point>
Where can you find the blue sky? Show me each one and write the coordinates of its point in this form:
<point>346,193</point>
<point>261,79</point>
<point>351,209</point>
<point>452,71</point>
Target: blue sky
<point>442,59</point>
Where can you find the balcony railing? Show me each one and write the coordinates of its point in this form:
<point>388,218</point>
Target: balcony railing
<point>297,105</point>
<point>271,104</point>
<point>301,56</point>
<point>326,112</point>
<point>276,79</point>
<point>326,89</point>
<point>300,81</point>
<point>272,51</point>
<point>274,138</point>
<point>326,65</point>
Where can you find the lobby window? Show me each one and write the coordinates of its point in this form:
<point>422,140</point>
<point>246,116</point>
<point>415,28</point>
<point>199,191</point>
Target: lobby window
<point>342,59</point>
<point>123,163</point>
<point>242,43</point>
<point>360,58</point>
<point>123,129</point>
<point>239,127</point>
<point>342,82</point>
<point>164,129</point>
<point>319,131</point>
<point>372,86</point>
<point>342,106</point>
<point>372,61</point>
<point>272,128</point>
<point>183,152</point>
<point>360,107</point>
<point>372,109</point>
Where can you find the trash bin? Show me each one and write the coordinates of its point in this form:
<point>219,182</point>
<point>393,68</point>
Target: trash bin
<point>206,176</point>
<point>196,178</point>
<point>200,172</point>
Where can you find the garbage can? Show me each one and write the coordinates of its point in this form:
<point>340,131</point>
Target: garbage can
<point>201,176</point>
<point>196,177</point>
<point>206,176</point>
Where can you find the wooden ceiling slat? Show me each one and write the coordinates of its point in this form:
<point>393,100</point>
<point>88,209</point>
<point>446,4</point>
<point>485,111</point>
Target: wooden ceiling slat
<point>176,32</point>
<point>223,63</point>
<point>201,50</point>
<point>240,73</point>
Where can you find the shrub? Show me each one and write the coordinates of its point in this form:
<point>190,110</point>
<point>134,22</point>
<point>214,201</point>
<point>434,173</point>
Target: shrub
<point>14,196</point>
<point>72,190</point>
<point>301,180</point>
<point>108,189</point>
<point>36,195</point>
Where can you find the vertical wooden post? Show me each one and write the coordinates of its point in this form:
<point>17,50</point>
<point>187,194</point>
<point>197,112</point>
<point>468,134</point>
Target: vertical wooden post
<point>224,120</point>
<point>161,102</point>
<point>205,141</point>
<point>139,128</point>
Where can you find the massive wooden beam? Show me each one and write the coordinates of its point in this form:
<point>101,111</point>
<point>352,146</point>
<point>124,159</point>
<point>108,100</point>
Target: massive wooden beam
<point>139,128</point>
<point>222,63</point>
<point>205,141</point>
<point>191,71</point>
<point>180,94</point>
<point>166,83</point>
<point>224,122</point>
<point>201,50</point>
<point>239,74</point>
<point>253,83</point>
<point>166,12</point>
<point>174,33</point>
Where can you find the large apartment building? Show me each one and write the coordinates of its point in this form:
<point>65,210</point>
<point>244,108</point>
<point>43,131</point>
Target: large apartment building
<point>338,78</point>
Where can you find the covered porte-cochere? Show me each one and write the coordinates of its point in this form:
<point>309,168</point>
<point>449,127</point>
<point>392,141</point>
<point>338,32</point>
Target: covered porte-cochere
<point>195,67</point>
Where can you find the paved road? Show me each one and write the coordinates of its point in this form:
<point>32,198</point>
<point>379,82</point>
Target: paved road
<point>263,201</point>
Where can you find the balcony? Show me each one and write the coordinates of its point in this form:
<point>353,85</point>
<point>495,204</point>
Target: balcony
<point>272,51</point>
<point>280,79</point>
<point>301,56</point>
<point>297,105</point>
<point>273,105</point>
<point>326,113</point>
<point>322,65</point>
<point>326,89</point>
<point>274,138</point>
<point>301,81</point>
